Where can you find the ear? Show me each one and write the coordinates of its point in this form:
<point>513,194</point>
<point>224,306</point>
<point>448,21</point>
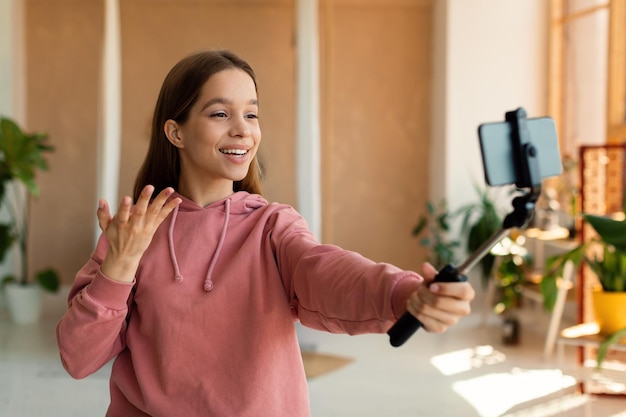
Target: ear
<point>173,133</point>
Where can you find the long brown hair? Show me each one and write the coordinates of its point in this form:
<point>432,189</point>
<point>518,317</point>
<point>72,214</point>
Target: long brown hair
<point>180,90</point>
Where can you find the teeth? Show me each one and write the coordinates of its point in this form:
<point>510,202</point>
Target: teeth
<point>234,151</point>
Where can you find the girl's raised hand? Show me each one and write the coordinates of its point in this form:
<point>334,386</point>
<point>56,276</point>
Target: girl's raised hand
<point>130,231</point>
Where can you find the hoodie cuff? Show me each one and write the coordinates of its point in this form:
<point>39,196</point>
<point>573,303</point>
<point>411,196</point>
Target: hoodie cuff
<point>109,293</point>
<point>401,292</point>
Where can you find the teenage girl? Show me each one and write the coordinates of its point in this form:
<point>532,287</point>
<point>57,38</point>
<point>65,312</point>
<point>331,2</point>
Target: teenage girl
<point>196,281</point>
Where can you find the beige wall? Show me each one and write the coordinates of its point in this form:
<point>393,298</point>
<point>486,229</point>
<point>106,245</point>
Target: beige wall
<point>376,61</point>
<point>62,59</point>
<point>156,34</point>
<point>375,94</point>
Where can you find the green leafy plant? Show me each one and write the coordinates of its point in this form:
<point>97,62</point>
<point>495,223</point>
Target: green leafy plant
<point>480,220</point>
<point>554,270</point>
<point>432,228</point>
<point>513,265</point>
<point>610,267</point>
<point>21,156</point>
<point>608,263</point>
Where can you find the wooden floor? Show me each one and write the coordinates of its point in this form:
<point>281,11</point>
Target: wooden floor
<point>318,364</point>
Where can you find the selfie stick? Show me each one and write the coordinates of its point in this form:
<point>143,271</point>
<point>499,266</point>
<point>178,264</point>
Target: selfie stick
<point>527,177</point>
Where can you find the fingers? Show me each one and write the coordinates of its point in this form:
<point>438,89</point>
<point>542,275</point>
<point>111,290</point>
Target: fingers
<point>104,214</point>
<point>141,206</point>
<point>123,213</point>
<point>435,313</point>
<point>167,209</point>
<point>161,207</point>
<point>144,210</point>
<point>458,290</point>
<point>441,305</point>
<point>160,201</point>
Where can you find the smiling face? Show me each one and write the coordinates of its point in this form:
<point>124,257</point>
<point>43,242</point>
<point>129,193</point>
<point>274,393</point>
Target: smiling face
<point>220,137</point>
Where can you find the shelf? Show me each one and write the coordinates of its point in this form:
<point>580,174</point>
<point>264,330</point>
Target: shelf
<point>611,379</point>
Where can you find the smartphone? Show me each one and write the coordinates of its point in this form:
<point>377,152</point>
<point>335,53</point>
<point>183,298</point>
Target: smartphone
<point>496,145</point>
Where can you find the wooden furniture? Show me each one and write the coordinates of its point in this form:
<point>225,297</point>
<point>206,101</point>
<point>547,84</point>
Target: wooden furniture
<point>602,188</point>
<point>602,192</point>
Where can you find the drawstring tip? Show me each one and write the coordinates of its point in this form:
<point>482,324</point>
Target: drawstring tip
<point>208,286</point>
<point>178,278</point>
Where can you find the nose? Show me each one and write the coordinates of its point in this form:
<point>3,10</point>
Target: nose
<point>239,127</point>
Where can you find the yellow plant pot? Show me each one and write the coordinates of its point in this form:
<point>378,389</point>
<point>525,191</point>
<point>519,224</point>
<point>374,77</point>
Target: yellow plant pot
<point>610,310</point>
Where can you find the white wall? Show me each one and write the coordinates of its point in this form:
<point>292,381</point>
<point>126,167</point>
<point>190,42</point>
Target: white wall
<point>490,57</point>
<point>5,56</point>
<point>11,59</point>
<point>6,29</point>
<point>585,77</point>
<point>11,88</point>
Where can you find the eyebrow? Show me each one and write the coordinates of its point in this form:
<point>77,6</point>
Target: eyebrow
<point>222,100</point>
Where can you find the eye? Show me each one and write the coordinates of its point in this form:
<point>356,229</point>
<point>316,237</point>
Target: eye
<point>219,114</point>
<point>252,116</point>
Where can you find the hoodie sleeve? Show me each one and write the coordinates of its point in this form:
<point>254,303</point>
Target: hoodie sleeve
<point>337,290</point>
<point>92,330</point>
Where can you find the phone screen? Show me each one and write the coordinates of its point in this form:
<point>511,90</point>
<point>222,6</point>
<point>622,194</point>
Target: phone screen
<point>497,150</point>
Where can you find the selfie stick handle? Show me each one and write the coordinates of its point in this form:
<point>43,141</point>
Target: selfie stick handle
<point>527,177</point>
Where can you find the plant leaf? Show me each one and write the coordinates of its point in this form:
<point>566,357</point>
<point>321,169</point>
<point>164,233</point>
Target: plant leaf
<point>610,268</point>
<point>442,221</point>
<point>7,279</point>
<point>21,154</point>
<point>49,280</point>
<point>422,223</point>
<point>554,269</point>
<point>610,230</point>
<point>549,289</point>
<point>603,348</point>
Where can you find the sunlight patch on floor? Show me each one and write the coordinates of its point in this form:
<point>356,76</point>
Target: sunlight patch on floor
<point>494,394</point>
<point>464,360</point>
<point>553,407</point>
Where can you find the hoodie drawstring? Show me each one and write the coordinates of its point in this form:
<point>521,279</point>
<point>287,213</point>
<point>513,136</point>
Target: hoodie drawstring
<point>208,283</point>
<point>170,238</point>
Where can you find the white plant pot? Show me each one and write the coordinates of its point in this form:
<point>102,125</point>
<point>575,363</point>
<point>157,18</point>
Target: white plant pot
<point>23,302</point>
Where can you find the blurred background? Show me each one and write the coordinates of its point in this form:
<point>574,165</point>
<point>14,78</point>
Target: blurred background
<point>369,108</point>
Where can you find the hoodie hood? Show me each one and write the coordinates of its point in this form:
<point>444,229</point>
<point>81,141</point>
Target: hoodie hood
<point>238,203</point>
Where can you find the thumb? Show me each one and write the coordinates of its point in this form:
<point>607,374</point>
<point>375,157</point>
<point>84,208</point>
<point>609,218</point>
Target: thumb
<point>428,272</point>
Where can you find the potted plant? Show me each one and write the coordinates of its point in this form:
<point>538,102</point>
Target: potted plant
<point>513,264</point>
<point>605,254</point>
<point>480,221</point>
<point>21,156</point>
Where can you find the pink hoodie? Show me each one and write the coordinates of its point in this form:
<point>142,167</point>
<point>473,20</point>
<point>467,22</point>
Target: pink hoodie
<point>207,328</point>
